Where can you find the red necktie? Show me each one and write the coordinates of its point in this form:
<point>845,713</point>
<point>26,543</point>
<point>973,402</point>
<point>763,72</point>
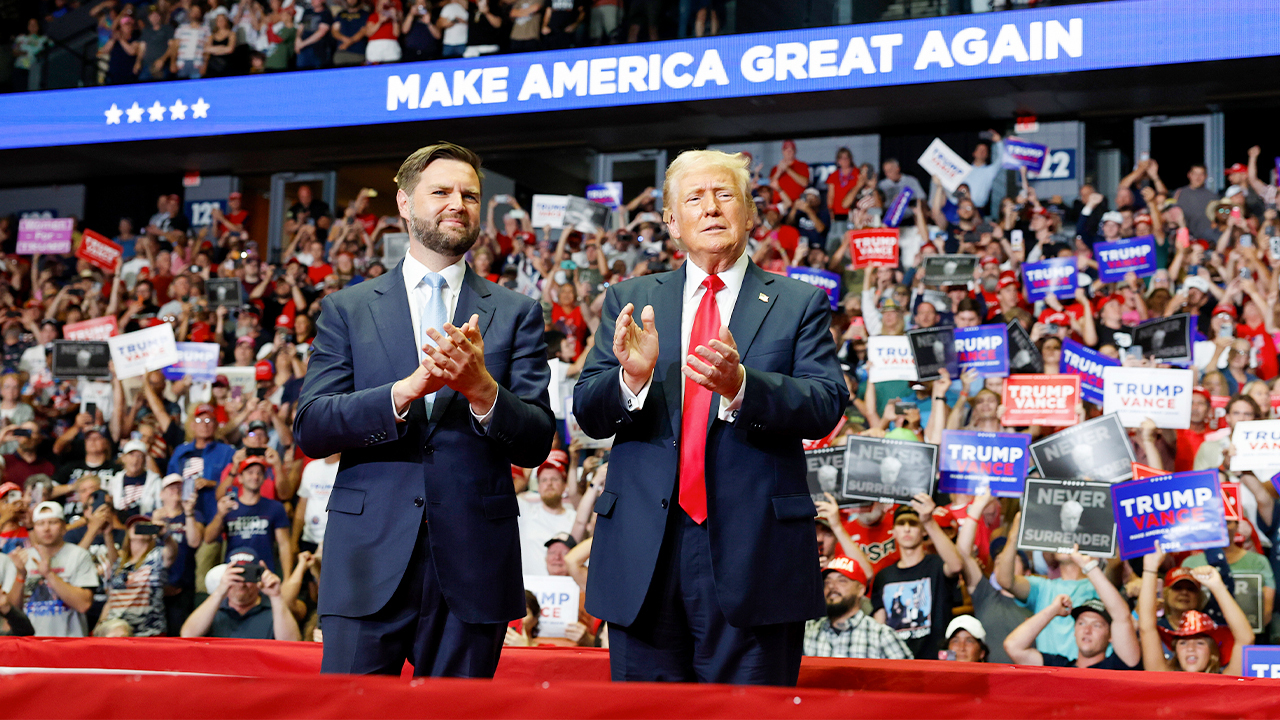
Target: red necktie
<point>696,409</point>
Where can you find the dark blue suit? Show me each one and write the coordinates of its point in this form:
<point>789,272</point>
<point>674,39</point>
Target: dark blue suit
<point>750,572</point>
<point>421,552</point>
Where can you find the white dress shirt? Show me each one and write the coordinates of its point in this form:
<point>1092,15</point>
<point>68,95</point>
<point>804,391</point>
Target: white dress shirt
<point>726,299</point>
<point>419,295</point>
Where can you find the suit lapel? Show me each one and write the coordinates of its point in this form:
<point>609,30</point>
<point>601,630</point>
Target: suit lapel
<point>668,307</point>
<point>473,299</point>
<point>748,315</point>
<point>390,310</point>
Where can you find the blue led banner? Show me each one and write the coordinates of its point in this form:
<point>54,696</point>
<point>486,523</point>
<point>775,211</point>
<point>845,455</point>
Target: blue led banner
<point>966,47</point>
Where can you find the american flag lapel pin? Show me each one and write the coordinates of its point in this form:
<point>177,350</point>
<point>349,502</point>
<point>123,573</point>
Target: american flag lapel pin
<point>764,298</point>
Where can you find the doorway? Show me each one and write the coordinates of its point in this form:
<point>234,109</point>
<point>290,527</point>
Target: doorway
<point>1178,143</point>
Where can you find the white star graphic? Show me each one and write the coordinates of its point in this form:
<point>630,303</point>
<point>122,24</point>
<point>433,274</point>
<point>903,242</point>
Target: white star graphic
<point>134,112</point>
<point>155,112</point>
<point>200,109</point>
<point>113,114</point>
<point>178,111</point>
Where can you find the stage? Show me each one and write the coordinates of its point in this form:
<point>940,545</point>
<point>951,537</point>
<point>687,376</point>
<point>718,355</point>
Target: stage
<point>174,678</point>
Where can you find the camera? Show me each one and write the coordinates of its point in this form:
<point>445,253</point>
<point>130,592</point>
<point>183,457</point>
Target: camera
<point>252,573</point>
<point>255,452</point>
<point>146,529</point>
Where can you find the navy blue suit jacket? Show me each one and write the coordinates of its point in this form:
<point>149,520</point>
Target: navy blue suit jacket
<point>365,343</point>
<point>760,515</point>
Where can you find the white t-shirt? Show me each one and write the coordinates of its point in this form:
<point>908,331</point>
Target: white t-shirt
<point>34,360</point>
<point>48,614</point>
<point>316,485</point>
<point>456,34</point>
<point>537,526</point>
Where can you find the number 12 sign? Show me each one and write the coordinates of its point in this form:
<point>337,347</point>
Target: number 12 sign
<point>1058,165</point>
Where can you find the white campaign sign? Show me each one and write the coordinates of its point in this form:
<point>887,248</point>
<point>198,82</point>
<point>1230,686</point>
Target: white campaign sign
<point>143,350</point>
<point>943,163</point>
<point>889,358</point>
<point>548,211</point>
<point>1137,393</point>
<point>1257,447</point>
<point>558,597</point>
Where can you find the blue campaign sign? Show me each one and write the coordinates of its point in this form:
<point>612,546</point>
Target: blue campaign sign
<point>1024,154</point>
<point>898,208</point>
<point>972,461</point>
<point>198,361</point>
<point>1057,276</point>
<point>984,348</point>
<point>608,194</point>
<point>828,281</point>
<point>1087,363</point>
<point>1016,43</point>
<point>1135,255</point>
<point>1181,511</point>
<point>1262,661</point>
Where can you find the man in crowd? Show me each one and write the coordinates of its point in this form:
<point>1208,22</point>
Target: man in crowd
<point>846,631</point>
<point>59,577</point>
<point>543,513</point>
<point>967,640</point>
<point>243,608</point>
<point>252,521</point>
<point>204,459</point>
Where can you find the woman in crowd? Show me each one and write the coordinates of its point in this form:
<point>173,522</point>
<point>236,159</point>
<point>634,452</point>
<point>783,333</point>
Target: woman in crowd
<point>135,592</point>
<point>1198,644</point>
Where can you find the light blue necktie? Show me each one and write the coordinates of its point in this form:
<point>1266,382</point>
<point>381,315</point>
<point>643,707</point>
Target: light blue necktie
<point>434,315</point>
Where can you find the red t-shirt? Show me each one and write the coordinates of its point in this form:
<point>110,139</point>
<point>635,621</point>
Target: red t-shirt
<point>787,236</point>
<point>788,184</point>
<point>368,221</point>
<point>318,272</point>
<point>1188,444</point>
<point>570,323</point>
<point>384,32</point>
<point>840,186</point>
<point>876,541</point>
<point>235,218</point>
<point>1263,348</point>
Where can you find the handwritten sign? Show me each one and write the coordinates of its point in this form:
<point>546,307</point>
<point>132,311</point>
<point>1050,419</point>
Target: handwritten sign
<point>45,236</point>
<point>1181,511</point>
<point>942,162</point>
<point>975,461</point>
<point>98,251</point>
<point>889,358</point>
<point>1056,276</point>
<point>877,247</point>
<point>1162,394</point>
<point>1088,364</point>
<point>1040,400</point>
<point>139,352</point>
<point>1134,255</point>
<point>984,349</point>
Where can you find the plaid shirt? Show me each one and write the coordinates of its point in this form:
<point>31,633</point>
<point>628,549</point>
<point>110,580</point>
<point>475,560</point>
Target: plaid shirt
<point>862,637</point>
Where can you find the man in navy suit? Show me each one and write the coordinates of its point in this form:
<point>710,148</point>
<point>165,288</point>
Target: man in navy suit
<point>422,550</point>
<point>704,561</point>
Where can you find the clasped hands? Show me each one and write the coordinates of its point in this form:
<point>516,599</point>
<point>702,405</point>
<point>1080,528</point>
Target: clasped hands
<point>715,366</point>
<point>456,360</point>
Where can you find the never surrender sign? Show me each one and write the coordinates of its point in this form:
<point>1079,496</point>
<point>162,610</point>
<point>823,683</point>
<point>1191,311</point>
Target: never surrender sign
<point>1088,364</point>
<point>889,358</point>
<point>824,471</point>
<point>882,470</point>
<point>934,349</point>
<point>877,247</point>
<point>1135,255</point>
<point>1056,276</point>
<point>1167,339</point>
<point>1040,400</point>
<point>45,236</point>
<point>972,462</point>
<point>949,269</point>
<point>1024,356</point>
<point>1182,511</point>
<point>1135,394</point>
<point>1097,450</point>
<point>984,349</point>
<point>1059,514</point>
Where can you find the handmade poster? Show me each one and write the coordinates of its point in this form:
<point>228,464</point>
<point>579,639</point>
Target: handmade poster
<point>1257,445</point>
<point>893,214</point>
<point>1097,449</point>
<point>973,462</point>
<point>99,251</point>
<point>1022,154</point>
<point>875,247</point>
<point>198,361</point>
<point>825,280</point>
<point>1181,511</point>
<point>1047,400</point>
<point>1024,356</point>
<point>824,469</point>
<point>934,349</point>
<point>558,598</point>
<point>1166,339</point>
<point>45,236</point>
<point>1059,514</point>
<point>943,163</point>
<point>1056,276</point>
<point>984,349</point>
<point>144,350</point>
<point>585,216</point>
<point>949,269</point>
<point>1132,255</point>
<point>889,358</point>
<point>1088,364</point>
<point>81,358</point>
<point>1137,393</point>
<point>96,329</point>
<point>547,211</point>
<point>883,470</point>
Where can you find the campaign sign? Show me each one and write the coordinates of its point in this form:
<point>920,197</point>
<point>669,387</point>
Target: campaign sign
<point>547,211</point>
<point>1040,400</point>
<point>1135,394</point>
<point>984,348</point>
<point>1248,594</point>
<point>1059,514</point>
<point>1144,471</point>
<point>898,208</point>
<point>889,358</point>
<point>394,247</point>
<point>1097,449</point>
<point>1088,364</point>
<point>883,470</point>
<point>1181,511</point>
<point>972,462</point>
<point>1023,154</point>
<point>45,236</point>
<point>934,349</point>
<point>98,251</point>
<point>558,599</point>
<point>1262,661</point>
<point>877,247</point>
<point>608,194</point>
<point>228,292</point>
<point>96,329</point>
<point>1166,339</point>
<point>1056,276</point>
<point>243,380</point>
<point>824,468</point>
<point>949,269</point>
<point>81,358</point>
<point>584,215</point>
<point>1257,445</point>
<point>144,350</point>
<point>1024,356</point>
<point>826,280</point>
<point>943,163</point>
<point>198,361</point>
<point>1133,255</point>
<point>1230,500</point>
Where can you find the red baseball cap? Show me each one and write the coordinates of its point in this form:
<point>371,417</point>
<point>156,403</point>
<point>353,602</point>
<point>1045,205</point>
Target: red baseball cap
<point>848,568</point>
<point>990,260</point>
<point>245,340</point>
<point>1141,218</point>
<point>1178,574</point>
<point>1235,168</point>
<point>1110,298</point>
<point>9,487</point>
<point>1226,310</point>
<point>205,409</point>
<point>558,460</point>
<point>789,144</point>
<point>264,370</point>
<point>1042,210</point>
<point>253,460</point>
<point>1007,278</point>
<point>1057,318</point>
<point>283,321</point>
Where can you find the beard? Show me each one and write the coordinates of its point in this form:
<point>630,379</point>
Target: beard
<point>989,284</point>
<point>450,243</point>
<point>839,608</point>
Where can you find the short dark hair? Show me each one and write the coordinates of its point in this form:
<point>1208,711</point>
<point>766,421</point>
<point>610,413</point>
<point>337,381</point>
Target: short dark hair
<point>968,304</point>
<point>407,176</point>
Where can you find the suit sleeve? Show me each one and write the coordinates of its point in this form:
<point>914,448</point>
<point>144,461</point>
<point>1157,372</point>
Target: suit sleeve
<point>810,400</point>
<point>598,405</point>
<point>332,415</point>
<point>522,421</point>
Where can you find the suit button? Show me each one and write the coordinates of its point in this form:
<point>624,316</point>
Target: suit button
<point>663,504</point>
<point>675,443</point>
<point>429,449</point>
<point>418,502</point>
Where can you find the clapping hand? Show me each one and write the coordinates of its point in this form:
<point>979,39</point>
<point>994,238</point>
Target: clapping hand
<point>636,346</point>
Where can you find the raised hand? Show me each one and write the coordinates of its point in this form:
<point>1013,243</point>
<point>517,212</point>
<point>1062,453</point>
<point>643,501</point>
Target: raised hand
<point>636,346</point>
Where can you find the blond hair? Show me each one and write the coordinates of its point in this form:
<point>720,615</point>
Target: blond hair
<point>738,164</point>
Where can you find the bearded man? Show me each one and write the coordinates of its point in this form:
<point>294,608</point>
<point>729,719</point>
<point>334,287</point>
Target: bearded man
<point>432,382</point>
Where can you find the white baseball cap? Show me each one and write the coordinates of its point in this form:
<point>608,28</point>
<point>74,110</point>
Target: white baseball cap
<point>48,511</point>
<point>967,623</point>
<point>1197,282</point>
<point>134,446</point>
<point>1113,216</point>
